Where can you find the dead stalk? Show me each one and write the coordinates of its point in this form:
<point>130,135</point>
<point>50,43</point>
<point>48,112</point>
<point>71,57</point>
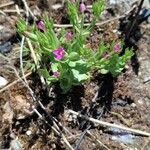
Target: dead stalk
<point>14,82</point>
<point>98,141</point>
<point>97,24</point>
<point>7,4</point>
<point>28,10</point>
<point>12,11</point>
<point>103,123</point>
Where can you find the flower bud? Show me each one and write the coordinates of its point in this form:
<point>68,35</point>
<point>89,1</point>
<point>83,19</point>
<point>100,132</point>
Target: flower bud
<point>82,7</point>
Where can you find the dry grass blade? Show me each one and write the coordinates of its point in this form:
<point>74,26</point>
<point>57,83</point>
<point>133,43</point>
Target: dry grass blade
<point>14,82</point>
<point>98,141</point>
<point>103,123</point>
<point>7,4</point>
<point>12,11</point>
<point>97,24</point>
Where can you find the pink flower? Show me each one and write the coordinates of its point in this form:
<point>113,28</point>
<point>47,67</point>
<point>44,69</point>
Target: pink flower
<point>82,7</point>
<point>59,53</point>
<point>56,74</point>
<point>41,25</point>
<point>69,36</point>
<point>117,47</point>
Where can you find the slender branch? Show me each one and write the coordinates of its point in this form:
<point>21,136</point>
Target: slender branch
<point>28,10</point>
<point>103,123</point>
<point>14,82</point>
<point>7,4</point>
<point>97,24</point>
<point>63,136</point>
<point>98,141</point>
<point>32,51</point>
<point>12,11</point>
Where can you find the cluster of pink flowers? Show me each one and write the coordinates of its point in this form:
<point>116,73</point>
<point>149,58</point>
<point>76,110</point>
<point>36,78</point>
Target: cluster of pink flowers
<point>59,53</point>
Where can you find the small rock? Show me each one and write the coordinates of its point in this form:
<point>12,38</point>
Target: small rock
<point>5,48</point>
<point>8,113</point>
<point>133,105</point>
<point>6,34</point>
<point>112,2</point>
<point>3,82</point>
<point>15,145</point>
<point>140,102</point>
<point>29,132</point>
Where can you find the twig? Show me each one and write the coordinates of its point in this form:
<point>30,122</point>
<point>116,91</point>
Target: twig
<point>7,4</point>
<point>97,24</point>
<point>87,24</point>
<point>98,141</point>
<point>12,11</point>
<point>103,123</point>
<point>146,80</point>
<point>32,51</point>
<point>17,9</point>
<point>64,128</point>
<point>28,10</point>
<point>14,82</point>
<point>63,136</point>
<point>125,121</point>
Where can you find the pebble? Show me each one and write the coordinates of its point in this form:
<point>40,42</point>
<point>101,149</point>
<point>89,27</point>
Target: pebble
<point>6,34</point>
<point>5,48</point>
<point>112,2</point>
<point>29,132</point>
<point>15,145</point>
<point>140,102</point>
<point>133,105</point>
<point>3,82</point>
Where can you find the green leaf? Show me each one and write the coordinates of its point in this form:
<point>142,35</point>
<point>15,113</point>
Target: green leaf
<point>65,84</point>
<point>73,56</point>
<point>45,73</point>
<point>78,76</point>
<point>104,71</point>
<point>54,67</point>
<point>98,7</point>
<point>21,26</point>
<point>72,11</point>
<point>76,63</point>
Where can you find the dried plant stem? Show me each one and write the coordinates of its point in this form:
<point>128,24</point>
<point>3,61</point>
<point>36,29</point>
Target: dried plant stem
<point>7,4</point>
<point>12,11</point>
<point>63,127</point>
<point>98,141</point>
<point>103,123</point>
<point>28,10</point>
<point>87,24</point>
<point>14,82</point>
<point>63,136</point>
<point>18,10</point>
<point>97,24</point>
<point>32,51</point>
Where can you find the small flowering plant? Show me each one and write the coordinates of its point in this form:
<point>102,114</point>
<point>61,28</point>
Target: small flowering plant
<point>65,57</point>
